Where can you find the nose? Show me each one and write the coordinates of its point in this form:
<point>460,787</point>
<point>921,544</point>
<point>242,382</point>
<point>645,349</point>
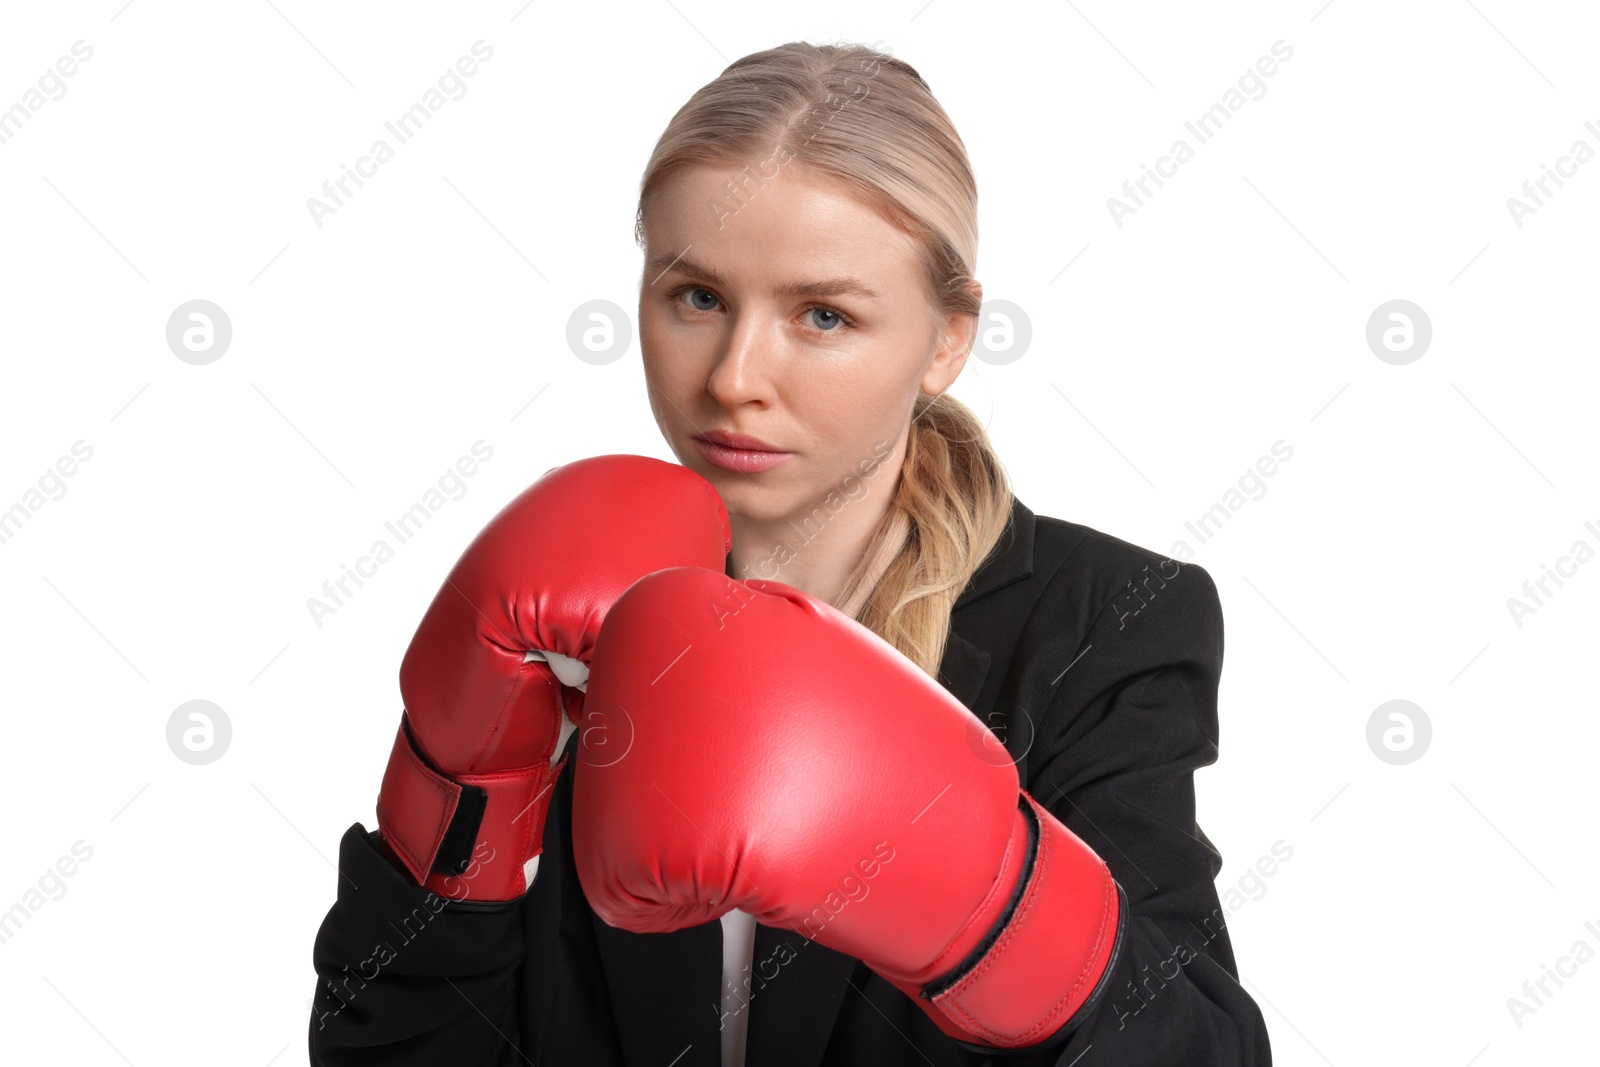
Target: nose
<point>744,372</point>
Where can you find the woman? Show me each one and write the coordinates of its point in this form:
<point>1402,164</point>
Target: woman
<point>809,227</point>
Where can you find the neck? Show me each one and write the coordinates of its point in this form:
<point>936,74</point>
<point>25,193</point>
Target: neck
<point>839,562</point>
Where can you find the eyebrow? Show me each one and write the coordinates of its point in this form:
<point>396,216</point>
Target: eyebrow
<point>823,287</point>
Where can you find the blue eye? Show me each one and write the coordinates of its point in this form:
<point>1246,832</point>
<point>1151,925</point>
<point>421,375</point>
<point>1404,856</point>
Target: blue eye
<point>695,290</point>
<point>836,318</point>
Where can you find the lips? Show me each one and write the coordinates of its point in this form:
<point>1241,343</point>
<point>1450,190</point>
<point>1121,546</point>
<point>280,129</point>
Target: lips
<point>742,442</point>
<point>746,460</point>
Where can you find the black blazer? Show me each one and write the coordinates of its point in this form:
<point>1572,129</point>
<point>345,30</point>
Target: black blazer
<point>1094,660</point>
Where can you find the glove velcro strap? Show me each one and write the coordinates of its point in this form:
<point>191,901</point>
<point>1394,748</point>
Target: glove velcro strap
<point>1044,962</point>
<point>418,809</point>
<point>468,837</point>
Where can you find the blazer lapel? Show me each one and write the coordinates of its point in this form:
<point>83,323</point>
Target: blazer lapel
<point>963,669</point>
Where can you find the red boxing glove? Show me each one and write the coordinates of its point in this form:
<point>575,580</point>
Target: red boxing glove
<point>762,751</point>
<point>463,801</point>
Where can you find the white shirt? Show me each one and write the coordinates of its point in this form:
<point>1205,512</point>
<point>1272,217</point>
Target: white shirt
<point>738,945</point>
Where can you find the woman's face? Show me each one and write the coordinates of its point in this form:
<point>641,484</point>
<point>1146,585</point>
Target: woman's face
<point>809,315</point>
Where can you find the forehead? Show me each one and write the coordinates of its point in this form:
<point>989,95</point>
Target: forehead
<point>725,216</point>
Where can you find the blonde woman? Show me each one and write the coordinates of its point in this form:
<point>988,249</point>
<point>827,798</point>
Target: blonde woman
<point>874,765</point>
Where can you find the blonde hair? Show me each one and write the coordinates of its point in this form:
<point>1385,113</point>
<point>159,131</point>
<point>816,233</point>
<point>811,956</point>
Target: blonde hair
<point>865,120</point>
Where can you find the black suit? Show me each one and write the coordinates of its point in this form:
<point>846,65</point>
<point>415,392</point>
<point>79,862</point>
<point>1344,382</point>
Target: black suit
<point>1097,664</point>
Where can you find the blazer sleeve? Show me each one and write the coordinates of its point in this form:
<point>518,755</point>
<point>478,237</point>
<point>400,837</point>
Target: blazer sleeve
<point>405,976</point>
<point>1132,716</point>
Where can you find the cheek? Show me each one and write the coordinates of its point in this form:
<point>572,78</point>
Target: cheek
<point>883,384</point>
<point>669,350</point>
<point>875,411</point>
<point>657,352</point>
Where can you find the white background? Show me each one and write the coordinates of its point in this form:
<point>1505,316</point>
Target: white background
<point>1167,355</point>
